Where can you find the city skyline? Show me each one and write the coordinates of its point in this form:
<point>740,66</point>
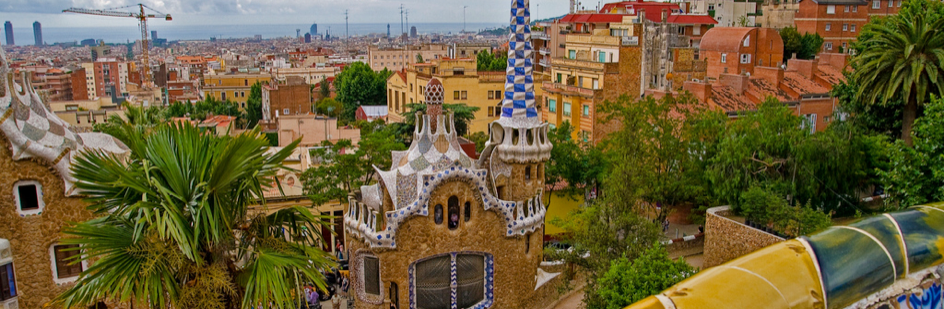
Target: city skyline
<point>281,11</point>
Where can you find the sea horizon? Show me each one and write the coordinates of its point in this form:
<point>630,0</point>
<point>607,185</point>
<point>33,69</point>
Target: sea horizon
<point>23,36</point>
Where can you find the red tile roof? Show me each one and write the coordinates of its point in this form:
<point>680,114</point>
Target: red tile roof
<point>801,84</point>
<point>594,18</point>
<point>691,19</point>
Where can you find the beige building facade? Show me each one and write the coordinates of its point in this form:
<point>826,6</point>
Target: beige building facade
<point>399,58</point>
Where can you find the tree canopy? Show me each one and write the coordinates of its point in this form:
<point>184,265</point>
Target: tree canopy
<point>805,46</point>
<point>900,57</point>
<point>486,61</point>
<point>358,85</point>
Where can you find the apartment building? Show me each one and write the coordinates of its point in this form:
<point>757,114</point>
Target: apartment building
<point>111,77</point>
<point>399,58</point>
<point>310,75</point>
<point>232,87</point>
<point>463,85</point>
<point>290,97</point>
<point>840,21</point>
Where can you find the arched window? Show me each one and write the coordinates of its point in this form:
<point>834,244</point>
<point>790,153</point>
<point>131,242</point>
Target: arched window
<point>438,214</point>
<point>527,243</point>
<point>468,211</point>
<point>470,285</point>
<point>527,172</point>
<point>453,212</point>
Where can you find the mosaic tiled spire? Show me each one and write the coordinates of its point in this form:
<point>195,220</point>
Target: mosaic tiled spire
<point>434,101</point>
<point>518,103</point>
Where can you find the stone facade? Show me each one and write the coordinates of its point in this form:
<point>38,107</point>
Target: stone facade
<point>726,239</point>
<point>31,236</point>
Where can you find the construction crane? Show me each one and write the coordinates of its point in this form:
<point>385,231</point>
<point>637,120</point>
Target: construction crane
<point>142,18</point>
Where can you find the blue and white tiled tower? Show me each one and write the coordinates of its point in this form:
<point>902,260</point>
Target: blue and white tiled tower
<point>519,136</point>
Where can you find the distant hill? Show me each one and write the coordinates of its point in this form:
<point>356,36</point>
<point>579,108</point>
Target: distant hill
<point>506,30</point>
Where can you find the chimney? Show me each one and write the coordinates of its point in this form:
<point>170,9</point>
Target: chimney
<point>806,68</point>
<point>701,90</point>
<point>774,75</point>
<point>736,82</point>
<point>642,15</point>
<point>665,15</point>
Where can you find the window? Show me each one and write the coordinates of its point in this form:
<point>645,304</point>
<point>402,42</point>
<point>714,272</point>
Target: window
<point>586,110</point>
<point>596,84</point>
<point>411,87</point>
<point>746,58</point>
<point>601,56</point>
<point>552,106</point>
<point>828,46</point>
<point>724,58</point>
<point>491,111</point>
<point>846,9</point>
<point>223,95</point>
<point>491,95</point>
<point>809,121</point>
<point>434,283</point>
<point>830,9</point>
<point>580,81</point>
<point>559,78</point>
<point>876,4</point>
<point>585,135</point>
<point>711,7</point>
<point>7,282</point>
<point>371,271</point>
<point>455,95</point>
<point>845,27</point>
<point>465,95</point>
<point>527,172</point>
<point>458,71</point>
<point>572,54</point>
<point>566,109</point>
<point>453,212</point>
<point>66,267</point>
<point>747,41</point>
<point>438,214</point>
<point>855,8</point>
<point>285,111</point>
<point>891,3</point>
<point>468,211</point>
<point>29,197</point>
<point>852,28</point>
<point>242,94</point>
<point>829,27</point>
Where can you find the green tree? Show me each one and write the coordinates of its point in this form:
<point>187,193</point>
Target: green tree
<point>884,119</point>
<point>573,167</point>
<point>628,281</point>
<point>329,107</point>
<point>486,61</point>
<point>462,114</point>
<point>358,85</point>
<point>648,154</point>
<point>343,170</point>
<point>324,89</point>
<point>419,58</point>
<point>805,46</point>
<point>176,230</point>
<point>916,174</point>
<point>254,106</point>
<point>601,233</point>
<point>903,56</point>
<point>479,138</point>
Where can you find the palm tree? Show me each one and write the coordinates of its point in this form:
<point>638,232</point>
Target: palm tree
<point>904,56</point>
<point>176,231</point>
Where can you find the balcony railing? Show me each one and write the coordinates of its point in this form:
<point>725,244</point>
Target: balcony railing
<point>570,89</point>
<point>545,51</point>
<point>544,62</point>
<point>540,36</point>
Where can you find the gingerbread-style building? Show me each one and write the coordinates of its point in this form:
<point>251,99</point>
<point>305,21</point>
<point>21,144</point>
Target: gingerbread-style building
<point>440,230</point>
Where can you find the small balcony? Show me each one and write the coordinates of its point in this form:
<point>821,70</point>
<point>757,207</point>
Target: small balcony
<point>544,62</point>
<point>545,51</point>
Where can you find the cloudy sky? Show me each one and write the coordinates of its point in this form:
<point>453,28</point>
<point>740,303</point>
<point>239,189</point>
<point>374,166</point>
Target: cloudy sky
<point>216,12</point>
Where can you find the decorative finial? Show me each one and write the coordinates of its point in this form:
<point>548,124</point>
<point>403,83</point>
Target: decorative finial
<point>434,101</point>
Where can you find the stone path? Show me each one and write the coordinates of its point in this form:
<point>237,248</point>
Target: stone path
<point>572,301</point>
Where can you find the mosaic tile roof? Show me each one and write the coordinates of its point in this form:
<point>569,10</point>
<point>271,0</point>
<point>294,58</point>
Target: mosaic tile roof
<point>36,132</point>
<point>518,107</point>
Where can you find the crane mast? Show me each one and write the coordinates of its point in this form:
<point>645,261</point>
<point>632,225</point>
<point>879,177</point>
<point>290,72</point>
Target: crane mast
<point>142,18</point>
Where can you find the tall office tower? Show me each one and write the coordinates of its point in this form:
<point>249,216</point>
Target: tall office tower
<point>314,29</point>
<point>413,32</point>
<point>38,33</point>
<point>154,34</point>
<point>8,29</point>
